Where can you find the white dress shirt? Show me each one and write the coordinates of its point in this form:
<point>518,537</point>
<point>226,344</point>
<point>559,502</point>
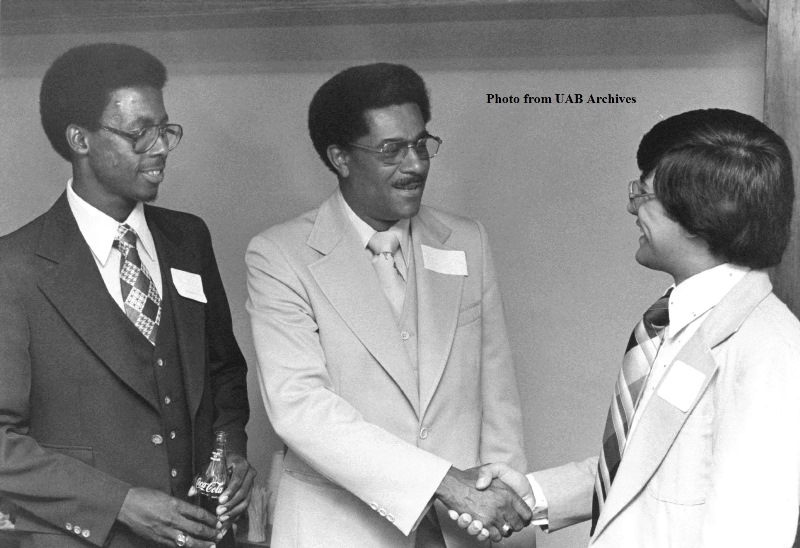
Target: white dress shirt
<point>99,230</point>
<point>689,305</point>
<point>365,232</point>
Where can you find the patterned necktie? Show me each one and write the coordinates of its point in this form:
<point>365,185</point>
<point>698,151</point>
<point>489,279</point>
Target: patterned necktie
<point>636,364</point>
<point>384,245</point>
<point>139,293</point>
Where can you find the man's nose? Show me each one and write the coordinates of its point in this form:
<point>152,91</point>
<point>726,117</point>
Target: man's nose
<point>412,162</point>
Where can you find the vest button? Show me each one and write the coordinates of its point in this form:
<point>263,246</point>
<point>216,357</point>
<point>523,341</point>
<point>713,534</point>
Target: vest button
<point>404,335</point>
<point>167,400</point>
<point>157,440</point>
<point>423,433</point>
<point>174,473</point>
<point>172,435</point>
<point>160,362</point>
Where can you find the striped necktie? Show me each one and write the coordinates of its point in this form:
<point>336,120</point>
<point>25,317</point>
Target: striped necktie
<point>639,356</point>
<point>139,293</point>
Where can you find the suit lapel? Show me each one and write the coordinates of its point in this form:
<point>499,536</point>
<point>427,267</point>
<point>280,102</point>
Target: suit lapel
<point>76,289</point>
<point>346,277</point>
<point>439,300</point>
<point>188,315</point>
<point>661,421</point>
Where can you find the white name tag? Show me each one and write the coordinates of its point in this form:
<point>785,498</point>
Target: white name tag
<point>189,285</point>
<point>444,261</point>
<point>681,385</point>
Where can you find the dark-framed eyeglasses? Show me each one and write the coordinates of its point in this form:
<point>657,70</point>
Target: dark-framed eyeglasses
<point>394,152</point>
<point>636,195</point>
<point>144,138</point>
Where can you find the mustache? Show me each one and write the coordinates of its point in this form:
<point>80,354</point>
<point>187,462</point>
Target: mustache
<point>409,181</point>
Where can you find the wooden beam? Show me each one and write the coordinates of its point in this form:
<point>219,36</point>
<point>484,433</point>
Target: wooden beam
<point>782,113</point>
<point>66,16</point>
<point>756,10</point>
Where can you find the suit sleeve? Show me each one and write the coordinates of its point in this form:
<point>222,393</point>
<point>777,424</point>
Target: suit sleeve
<point>58,488</point>
<point>227,366</point>
<point>755,462</point>
<point>317,424</point>
<point>501,429</point>
<point>568,490</point>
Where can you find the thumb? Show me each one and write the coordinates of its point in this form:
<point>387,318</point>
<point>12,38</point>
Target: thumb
<point>486,474</point>
<point>529,500</point>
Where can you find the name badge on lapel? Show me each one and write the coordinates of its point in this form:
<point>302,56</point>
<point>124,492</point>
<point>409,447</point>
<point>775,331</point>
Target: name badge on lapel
<point>189,285</point>
<point>444,261</point>
<point>681,385</point>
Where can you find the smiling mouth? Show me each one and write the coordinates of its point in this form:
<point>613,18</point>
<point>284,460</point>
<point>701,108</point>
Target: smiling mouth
<point>410,186</point>
<point>154,175</point>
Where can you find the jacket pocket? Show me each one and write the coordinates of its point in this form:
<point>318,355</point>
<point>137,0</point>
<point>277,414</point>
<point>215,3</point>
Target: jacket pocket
<point>312,479</point>
<point>82,453</point>
<point>469,314</point>
<point>684,476</point>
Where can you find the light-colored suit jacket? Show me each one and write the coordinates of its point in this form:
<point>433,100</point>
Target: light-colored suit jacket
<point>724,473</point>
<point>367,444</point>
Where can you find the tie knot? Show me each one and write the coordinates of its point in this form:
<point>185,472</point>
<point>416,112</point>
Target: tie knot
<point>658,313</point>
<point>383,242</point>
<point>126,235</point>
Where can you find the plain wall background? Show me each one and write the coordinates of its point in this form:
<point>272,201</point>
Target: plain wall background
<point>547,180</point>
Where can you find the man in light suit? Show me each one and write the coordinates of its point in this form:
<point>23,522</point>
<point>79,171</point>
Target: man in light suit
<point>385,372</point>
<point>710,455</point>
<point>117,355</point>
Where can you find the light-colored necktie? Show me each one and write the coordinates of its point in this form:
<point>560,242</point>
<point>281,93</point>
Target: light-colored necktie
<point>139,293</point>
<point>385,245</point>
<point>639,357</point>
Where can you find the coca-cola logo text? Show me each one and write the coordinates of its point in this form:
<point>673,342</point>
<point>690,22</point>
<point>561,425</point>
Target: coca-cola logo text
<point>209,487</point>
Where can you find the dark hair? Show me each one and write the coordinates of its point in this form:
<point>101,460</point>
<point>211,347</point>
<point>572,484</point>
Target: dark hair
<point>77,86</point>
<point>336,113</point>
<point>725,177</point>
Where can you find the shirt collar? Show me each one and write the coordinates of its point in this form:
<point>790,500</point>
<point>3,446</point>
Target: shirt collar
<point>99,229</point>
<point>700,293</point>
<point>365,232</point>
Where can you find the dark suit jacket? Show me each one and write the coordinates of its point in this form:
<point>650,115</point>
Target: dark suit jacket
<point>78,414</point>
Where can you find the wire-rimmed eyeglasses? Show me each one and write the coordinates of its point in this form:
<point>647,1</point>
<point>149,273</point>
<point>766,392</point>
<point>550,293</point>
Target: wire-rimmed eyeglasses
<point>636,195</point>
<point>394,152</point>
<point>144,138</point>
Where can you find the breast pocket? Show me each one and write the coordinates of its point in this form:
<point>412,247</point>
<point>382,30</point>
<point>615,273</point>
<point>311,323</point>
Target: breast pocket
<point>469,314</point>
<point>684,476</point>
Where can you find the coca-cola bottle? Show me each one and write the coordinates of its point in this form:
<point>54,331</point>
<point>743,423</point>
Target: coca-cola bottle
<point>212,482</point>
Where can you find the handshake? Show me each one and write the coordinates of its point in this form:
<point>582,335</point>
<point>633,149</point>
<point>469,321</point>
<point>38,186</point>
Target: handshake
<point>490,501</point>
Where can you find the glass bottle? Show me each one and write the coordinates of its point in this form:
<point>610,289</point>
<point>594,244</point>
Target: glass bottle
<point>212,482</point>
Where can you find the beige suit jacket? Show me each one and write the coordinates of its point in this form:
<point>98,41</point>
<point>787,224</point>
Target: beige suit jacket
<point>368,444</point>
<point>726,471</point>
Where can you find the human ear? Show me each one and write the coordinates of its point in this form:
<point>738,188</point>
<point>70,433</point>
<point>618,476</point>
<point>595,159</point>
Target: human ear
<point>77,139</point>
<point>340,158</point>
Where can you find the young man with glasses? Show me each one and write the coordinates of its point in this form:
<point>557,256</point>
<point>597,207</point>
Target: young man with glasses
<point>382,349</point>
<point>117,354</point>
<point>701,446</point>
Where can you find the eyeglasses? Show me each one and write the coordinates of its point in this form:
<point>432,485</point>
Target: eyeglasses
<point>394,152</point>
<point>636,195</point>
<point>144,139</point>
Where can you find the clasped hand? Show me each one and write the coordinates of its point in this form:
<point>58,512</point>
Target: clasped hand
<point>488,477</point>
<point>494,508</point>
<point>160,518</point>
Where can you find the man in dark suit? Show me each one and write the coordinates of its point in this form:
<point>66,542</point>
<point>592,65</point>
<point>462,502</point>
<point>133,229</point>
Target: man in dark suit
<point>117,356</point>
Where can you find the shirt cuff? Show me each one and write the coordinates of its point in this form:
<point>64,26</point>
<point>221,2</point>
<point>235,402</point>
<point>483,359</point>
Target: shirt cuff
<point>539,508</point>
